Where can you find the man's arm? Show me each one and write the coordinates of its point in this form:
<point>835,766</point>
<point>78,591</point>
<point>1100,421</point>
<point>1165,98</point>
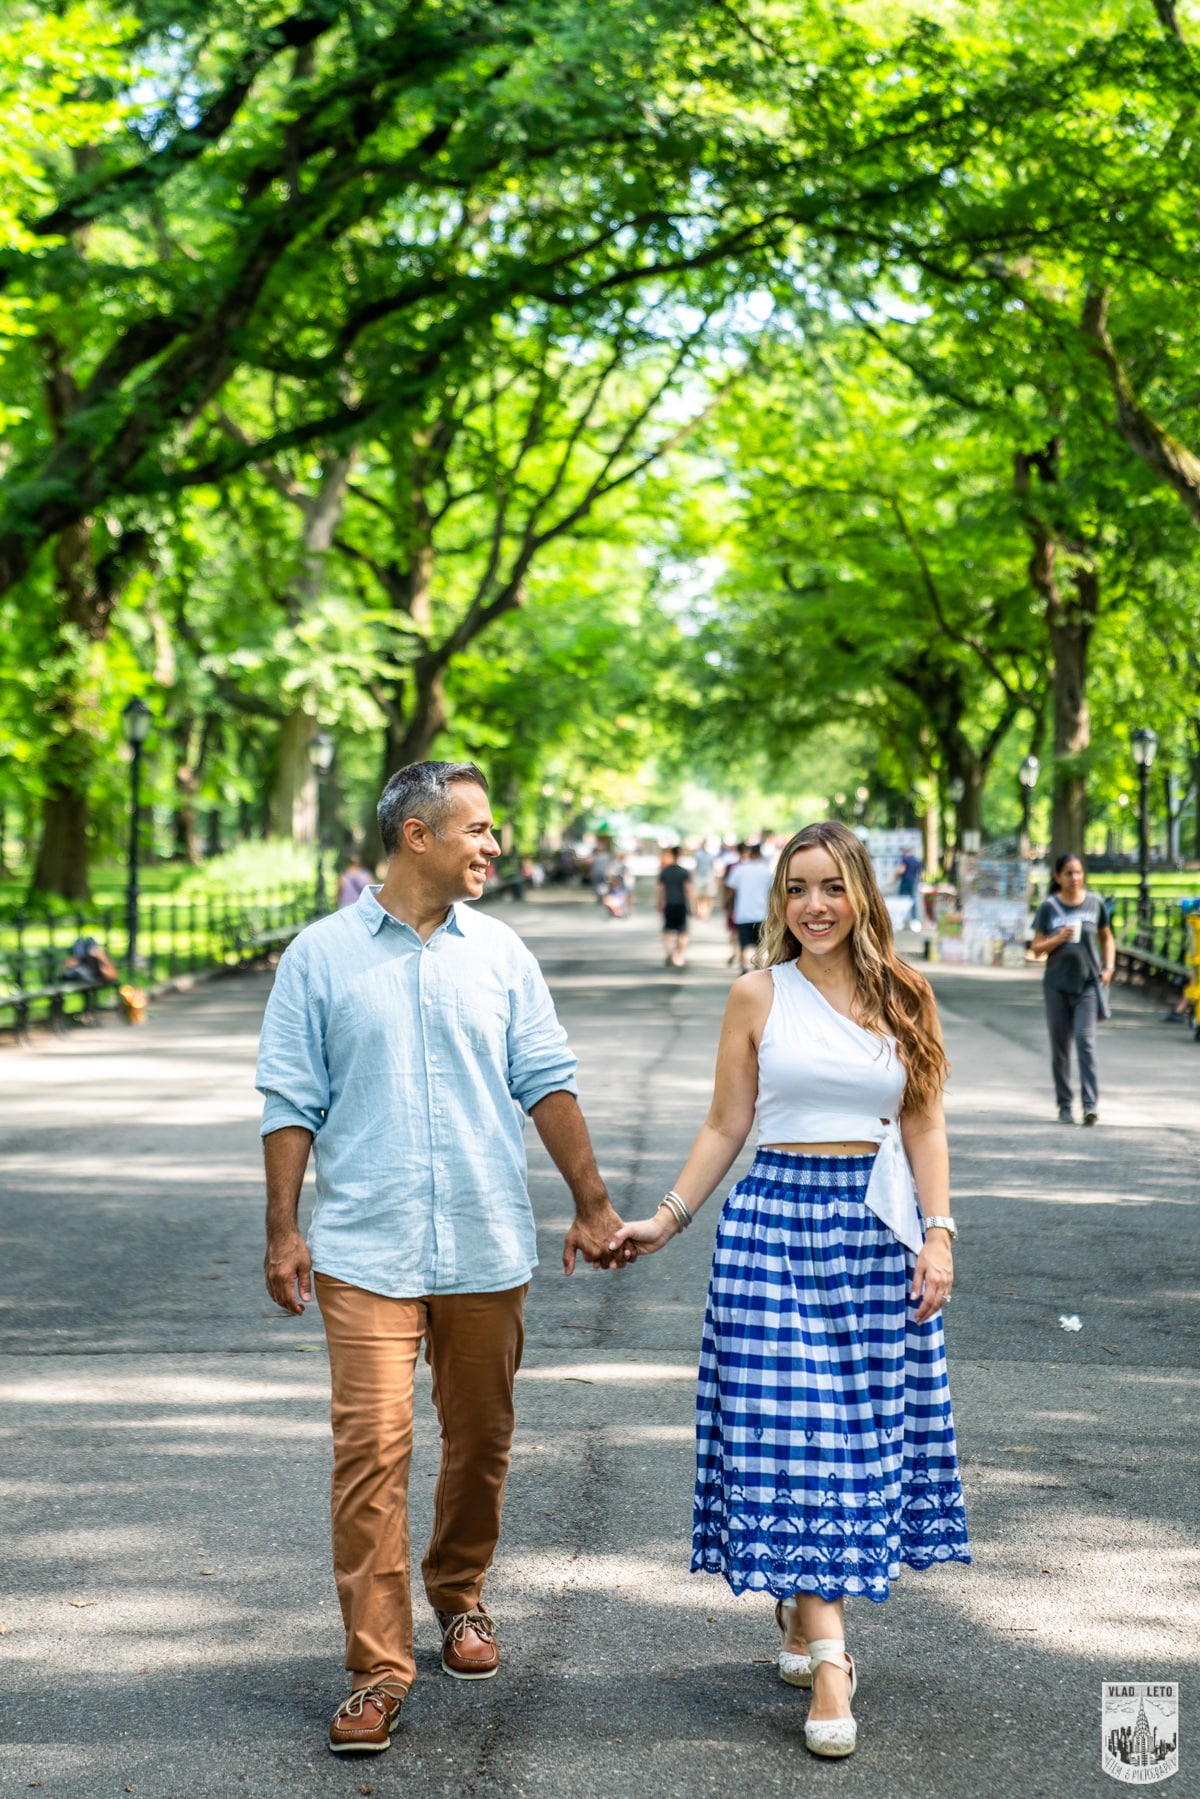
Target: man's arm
<point>287,1264</point>
<point>561,1127</point>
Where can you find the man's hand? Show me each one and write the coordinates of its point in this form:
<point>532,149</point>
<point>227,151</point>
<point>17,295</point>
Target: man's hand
<point>590,1236</point>
<point>287,1266</point>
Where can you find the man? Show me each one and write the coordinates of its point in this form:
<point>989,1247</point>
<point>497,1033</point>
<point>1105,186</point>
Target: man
<point>749,885</point>
<point>401,1036</point>
<point>675,904</point>
<point>909,886</point>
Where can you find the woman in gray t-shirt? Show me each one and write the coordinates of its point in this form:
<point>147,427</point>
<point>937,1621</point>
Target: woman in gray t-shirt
<point>1072,930</point>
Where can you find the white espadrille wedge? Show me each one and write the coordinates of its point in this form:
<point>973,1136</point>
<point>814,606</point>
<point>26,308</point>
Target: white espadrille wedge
<point>832,1736</point>
<point>796,1670</point>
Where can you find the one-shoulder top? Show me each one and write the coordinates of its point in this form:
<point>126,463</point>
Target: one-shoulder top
<point>824,1079</point>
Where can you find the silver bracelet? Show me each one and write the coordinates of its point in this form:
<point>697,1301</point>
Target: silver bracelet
<point>678,1210</point>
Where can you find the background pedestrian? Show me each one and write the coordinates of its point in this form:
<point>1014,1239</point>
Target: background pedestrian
<point>1071,928</point>
<point>675,904</point>
<point>749,883</point>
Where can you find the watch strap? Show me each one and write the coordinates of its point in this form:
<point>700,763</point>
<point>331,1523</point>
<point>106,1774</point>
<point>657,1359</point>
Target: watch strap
<point>943,1223</point>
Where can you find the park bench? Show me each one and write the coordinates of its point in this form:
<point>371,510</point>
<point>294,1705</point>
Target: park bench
<point>32,980</point>
<point>252,939</point>
<point>1149,958</point>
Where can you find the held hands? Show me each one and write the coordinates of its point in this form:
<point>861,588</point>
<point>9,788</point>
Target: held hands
<point>646,1235</point>
<point>591,1236</point>
<point>287,1266</point>
<point>933,1275</point>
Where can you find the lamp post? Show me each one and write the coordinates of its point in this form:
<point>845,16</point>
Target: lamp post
<point>1144,744</point>
<point>1027,774</point>
<point>136,721</point>
<point>320,754</point>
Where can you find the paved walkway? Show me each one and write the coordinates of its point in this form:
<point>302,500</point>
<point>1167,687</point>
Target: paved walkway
<point>170,1623</point>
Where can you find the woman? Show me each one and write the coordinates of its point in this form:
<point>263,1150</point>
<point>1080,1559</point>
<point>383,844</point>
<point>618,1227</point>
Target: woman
<point>826,1453</point>
<point>1071,929</point>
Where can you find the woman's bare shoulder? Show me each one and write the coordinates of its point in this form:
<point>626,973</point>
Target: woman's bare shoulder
<point>750,998</point>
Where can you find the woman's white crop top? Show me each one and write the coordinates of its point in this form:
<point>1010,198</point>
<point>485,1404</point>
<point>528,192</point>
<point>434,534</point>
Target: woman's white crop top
<point>824,1079</point>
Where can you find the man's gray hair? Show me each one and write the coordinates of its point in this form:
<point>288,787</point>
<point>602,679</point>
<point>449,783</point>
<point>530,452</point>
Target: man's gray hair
<point>422,790</point>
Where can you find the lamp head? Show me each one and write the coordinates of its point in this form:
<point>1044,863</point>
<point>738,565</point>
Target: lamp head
<point>136,720</point>
<point>1029,771</point>
<point>1144,744</point>
<point>321,751</point>
<point>956,788</point>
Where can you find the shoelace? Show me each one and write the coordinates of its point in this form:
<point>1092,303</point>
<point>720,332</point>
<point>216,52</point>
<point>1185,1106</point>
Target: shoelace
<point>478,1621</point>
<point>352,1707</point>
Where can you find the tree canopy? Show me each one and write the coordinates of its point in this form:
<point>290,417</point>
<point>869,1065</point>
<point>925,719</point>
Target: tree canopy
<point>459,372</point>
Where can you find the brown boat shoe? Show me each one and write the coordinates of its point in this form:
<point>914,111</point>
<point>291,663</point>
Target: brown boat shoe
<point>363,1723</point>
<point>469,1648</point>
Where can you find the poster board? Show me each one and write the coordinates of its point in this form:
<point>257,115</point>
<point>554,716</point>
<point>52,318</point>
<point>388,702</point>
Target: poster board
<point>994,912</point>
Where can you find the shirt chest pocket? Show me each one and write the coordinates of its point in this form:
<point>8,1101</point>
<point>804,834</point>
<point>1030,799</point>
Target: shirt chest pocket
<point>483,1016</point>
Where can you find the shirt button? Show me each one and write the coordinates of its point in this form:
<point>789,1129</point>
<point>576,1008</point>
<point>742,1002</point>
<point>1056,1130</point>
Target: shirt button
<point>428,1002</point>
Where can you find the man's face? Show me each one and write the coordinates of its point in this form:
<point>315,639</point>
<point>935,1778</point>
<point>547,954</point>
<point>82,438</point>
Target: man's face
<point>459,859</point>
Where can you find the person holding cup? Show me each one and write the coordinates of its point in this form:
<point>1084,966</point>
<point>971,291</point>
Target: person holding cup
<point>1071,929</point>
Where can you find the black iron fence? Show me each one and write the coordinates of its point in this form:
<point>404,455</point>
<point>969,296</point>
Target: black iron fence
<point>41,959</point>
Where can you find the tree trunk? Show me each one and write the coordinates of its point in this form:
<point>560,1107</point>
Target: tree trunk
<point>294,807</point>
<point>408,737</point>
<point>294,800</point>
<point>87,592</point>
<point>188,773</point>
<point>1070,627</point>
<point>1070,621</point>
<point>62,863</point>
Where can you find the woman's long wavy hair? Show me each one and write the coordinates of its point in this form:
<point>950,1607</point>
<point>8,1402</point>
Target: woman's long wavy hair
<point>889,997</point>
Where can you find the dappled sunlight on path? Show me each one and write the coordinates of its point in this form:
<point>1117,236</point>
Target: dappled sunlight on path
<point>164,1449</point>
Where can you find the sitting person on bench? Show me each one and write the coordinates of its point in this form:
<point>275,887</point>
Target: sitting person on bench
<point>89,963</point>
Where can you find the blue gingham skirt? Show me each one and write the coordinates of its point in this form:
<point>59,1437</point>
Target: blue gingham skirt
<point>825,1440</point>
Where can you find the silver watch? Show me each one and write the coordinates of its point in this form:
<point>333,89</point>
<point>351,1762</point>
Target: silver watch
<point>945,1224</point>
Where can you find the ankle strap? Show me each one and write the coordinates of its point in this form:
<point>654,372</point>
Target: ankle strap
<point>829,1649</point>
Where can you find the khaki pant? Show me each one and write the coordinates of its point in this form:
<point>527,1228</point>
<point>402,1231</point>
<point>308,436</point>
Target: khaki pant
<point>473,1343</point>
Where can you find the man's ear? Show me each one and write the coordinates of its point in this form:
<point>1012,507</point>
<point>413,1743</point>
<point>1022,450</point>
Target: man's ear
<point>416,835</point>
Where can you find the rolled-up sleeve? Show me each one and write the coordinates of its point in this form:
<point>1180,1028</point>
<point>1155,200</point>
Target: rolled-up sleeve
<point>539,1060</point>
<point>293,1075</point>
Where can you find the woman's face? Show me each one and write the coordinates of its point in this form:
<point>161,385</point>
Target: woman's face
<point>818,910</point>
<point>1070,881</point>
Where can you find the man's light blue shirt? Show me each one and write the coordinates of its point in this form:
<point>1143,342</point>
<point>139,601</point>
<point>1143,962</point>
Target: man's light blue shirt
<point>410,1063</point>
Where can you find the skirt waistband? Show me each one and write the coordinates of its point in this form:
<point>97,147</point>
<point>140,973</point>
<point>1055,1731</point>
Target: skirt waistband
<point>785,1167</point>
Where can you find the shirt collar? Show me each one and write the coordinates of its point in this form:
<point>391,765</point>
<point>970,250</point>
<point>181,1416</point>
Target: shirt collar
<point>374,916</point>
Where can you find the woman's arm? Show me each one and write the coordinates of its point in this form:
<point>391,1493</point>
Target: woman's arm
<point>730,1115</point>
<point>1045,941</point>
<point>924,1136</point>
<point>928,1152</point>
<point>1108,953</point>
